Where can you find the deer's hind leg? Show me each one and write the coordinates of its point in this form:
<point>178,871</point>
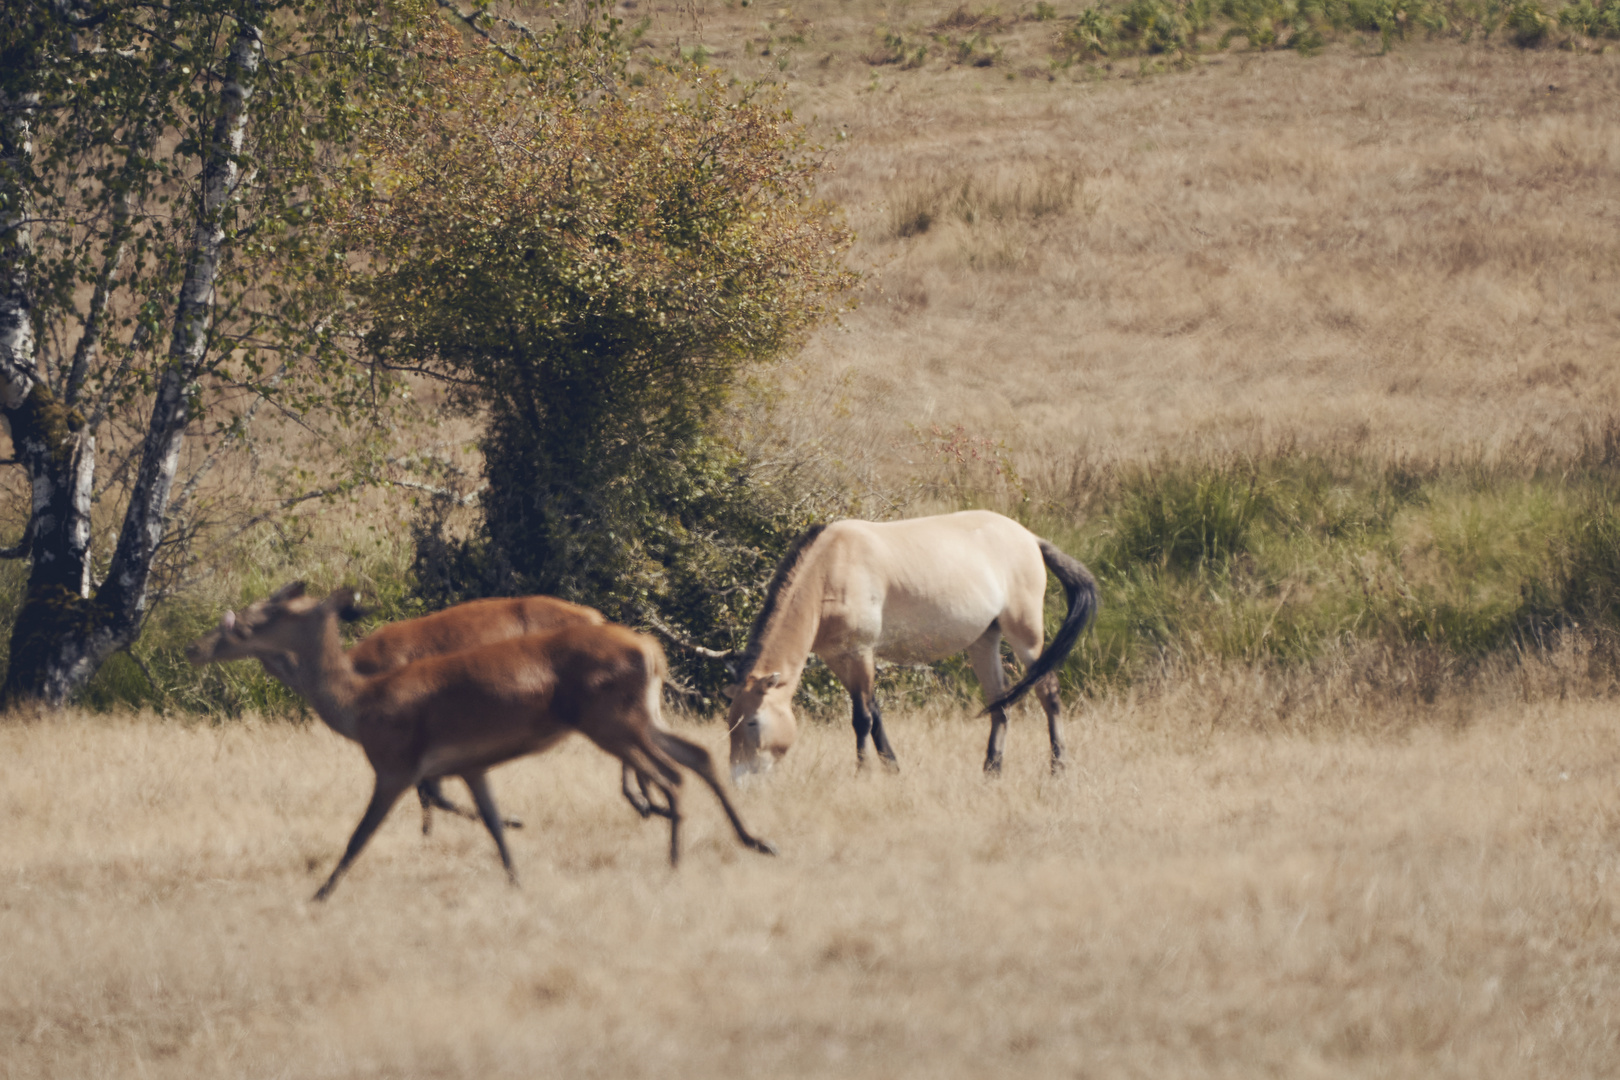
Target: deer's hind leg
<point>639,796</point>
<point>650,764</point>
<point>700,761</point>
<point>478,784</point>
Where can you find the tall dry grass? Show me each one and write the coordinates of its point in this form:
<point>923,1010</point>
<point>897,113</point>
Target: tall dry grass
<point>1190,900</point>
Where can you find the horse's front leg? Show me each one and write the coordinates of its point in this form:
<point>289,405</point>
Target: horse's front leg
<point>880,738</point>
<point>858,675</point>
<point>869,718</point>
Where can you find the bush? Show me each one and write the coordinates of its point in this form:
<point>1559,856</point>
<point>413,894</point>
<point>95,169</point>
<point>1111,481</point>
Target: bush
<point>1529,23</point>
<point>593,278</point>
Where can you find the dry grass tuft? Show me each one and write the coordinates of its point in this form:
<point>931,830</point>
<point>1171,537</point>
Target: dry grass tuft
<point>1188,900</point>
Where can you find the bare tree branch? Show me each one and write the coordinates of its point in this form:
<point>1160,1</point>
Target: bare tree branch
<point>682,640</point>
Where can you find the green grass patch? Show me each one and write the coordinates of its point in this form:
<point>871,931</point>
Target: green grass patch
<point>1274,563</point>
<point>1281,561</point>
<point>1185,28</point>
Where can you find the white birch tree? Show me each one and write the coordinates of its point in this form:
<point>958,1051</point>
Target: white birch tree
<point>166,284</point>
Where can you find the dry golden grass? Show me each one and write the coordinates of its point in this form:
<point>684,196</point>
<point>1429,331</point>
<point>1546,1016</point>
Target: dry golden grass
<point>1185,902</point>
<point>1409,255</point>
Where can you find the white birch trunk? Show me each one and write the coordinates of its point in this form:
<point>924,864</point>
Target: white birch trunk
<point>81,642</point>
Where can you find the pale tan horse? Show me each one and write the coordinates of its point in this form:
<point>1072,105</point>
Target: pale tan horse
<point>915,591</point>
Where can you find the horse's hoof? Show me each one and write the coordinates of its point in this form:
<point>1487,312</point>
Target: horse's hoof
<point>764,847</point>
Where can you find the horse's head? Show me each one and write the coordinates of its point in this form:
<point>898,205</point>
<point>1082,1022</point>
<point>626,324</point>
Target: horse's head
<point>761,722</point>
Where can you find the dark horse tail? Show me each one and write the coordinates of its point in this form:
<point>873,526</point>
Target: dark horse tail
<point>1081,589</point>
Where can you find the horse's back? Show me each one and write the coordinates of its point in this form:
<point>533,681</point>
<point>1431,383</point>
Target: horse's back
<point>960,547</point>
<point>923,588</point>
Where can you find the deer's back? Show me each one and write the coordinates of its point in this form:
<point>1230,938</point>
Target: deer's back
<point>466,626</point>
<point>513,697</point>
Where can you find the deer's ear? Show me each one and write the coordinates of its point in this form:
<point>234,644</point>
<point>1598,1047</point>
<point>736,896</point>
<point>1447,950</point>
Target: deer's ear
<point>354,611</point>
<point>345,602</point>
<point>290,591</point>
<point>771,681</point>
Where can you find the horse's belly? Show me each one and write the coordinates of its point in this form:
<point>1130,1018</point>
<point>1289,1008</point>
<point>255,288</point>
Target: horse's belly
<point>922,636</point>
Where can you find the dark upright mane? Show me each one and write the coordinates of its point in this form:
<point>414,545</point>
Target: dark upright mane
<point>779,580</point>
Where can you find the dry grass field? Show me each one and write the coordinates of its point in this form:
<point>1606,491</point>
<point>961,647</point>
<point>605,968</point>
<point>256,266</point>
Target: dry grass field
<point>1401,257</point>
<point>1184,902</point>
<point>1408,255</point>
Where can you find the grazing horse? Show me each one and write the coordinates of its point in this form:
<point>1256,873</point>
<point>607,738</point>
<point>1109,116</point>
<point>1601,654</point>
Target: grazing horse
<point>855,592</point>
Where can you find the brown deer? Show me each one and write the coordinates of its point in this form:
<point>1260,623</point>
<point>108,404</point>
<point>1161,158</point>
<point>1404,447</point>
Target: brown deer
<point>463,626</point>
<point>465,712</point>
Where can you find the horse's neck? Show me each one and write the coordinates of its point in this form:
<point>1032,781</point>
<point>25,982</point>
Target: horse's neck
<point>792,632</point>
<point>327,679</point>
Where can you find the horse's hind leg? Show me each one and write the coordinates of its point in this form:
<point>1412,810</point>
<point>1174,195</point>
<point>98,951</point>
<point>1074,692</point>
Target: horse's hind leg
<point>1047,690</point>
<point>985,655</point>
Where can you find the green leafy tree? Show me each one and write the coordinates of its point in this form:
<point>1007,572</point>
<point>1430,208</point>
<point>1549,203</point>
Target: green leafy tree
<point>593,272</point>
<point>167,285</point>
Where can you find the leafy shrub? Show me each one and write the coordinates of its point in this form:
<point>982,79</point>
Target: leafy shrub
<point>1529,23</point>
<point>1158,26</point>
<point>1270,24</point>
<point>1093,33</point>
<point>1589,555</point>
<point>1599,20</point>
<point>593,279</point>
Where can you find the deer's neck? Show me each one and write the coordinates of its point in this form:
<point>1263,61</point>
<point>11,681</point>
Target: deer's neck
<point>329,682</point>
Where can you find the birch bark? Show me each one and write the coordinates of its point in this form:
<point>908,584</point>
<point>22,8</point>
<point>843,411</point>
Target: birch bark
<point>62,636</point>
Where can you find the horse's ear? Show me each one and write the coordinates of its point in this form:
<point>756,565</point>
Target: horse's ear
<point>730,692</point>
<point>290,591</point>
